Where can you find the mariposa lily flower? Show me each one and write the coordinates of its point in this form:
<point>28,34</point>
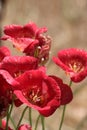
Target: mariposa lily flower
<point>29,39</point>
<point>74,62</point>
<point>21,36</point>
<point>42,92</point>
<point>16,65</point>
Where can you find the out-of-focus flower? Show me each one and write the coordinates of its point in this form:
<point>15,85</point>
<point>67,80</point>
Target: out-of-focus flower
<point>25,127</point>
<point>74,62</point>
<point>41,92</point>
<point>1,128</point>
<point>16,65</point>
<point>7,85</point>
<point>4,51</point>
<point>22,127</point>
<point>4,125</point>
<point>29,39</point>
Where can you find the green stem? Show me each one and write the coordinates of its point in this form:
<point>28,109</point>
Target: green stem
<point>12,121</point>
<point>7,119</point>
<point>21,118</point>
<point>70,83</point>
<point>37,122</point>
<point>64,109</point>
<point>30,116</point>
<point>0,122</point>
<point>8,115</point>
<point>62,119</point>
<point>42,121</point>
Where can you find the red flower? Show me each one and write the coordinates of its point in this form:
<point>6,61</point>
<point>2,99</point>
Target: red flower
<point>39,91</point>
<point>25,127</point>
<point>1,128</point>
<point>29,39</point>
<point>4,125</point>
<point>74,62</point>
<point>7,85</point>
<point>21,36</point>
<point>22,127</point>
<point>42,92</point>
<point>16,65</point>
<point>4,51</point>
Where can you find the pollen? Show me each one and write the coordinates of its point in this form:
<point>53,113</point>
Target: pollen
<point>36,98</point>
<point>76,66</point>
<point>18,73</point>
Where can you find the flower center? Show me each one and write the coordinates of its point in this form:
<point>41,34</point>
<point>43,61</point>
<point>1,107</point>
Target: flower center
<point>76,66</point>
<point>18,73</point>
<point>36,97</point>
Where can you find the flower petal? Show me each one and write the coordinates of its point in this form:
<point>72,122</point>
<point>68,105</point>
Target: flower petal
<point>25,127</point>
<point>18,64</point>
<point>66,92</point>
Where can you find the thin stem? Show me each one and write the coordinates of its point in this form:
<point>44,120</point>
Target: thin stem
<point>42,121</point>
<point>37,122</point>
<point>0,122</point>
<point>64,109</point>
<point>30,116</point>
<point>7,119</point>
<point>21,117</point>
<point>12,121</point>
<point>8,115</point>
<point>62,119</point>
<point>70,83</point>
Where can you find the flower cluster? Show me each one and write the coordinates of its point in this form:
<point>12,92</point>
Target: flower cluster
<point>23,79</point>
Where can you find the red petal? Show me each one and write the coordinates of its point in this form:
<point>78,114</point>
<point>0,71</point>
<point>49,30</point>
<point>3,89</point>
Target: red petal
<point>66,92</point>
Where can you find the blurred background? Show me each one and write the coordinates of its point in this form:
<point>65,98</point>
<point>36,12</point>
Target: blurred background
<point>66,21</point>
